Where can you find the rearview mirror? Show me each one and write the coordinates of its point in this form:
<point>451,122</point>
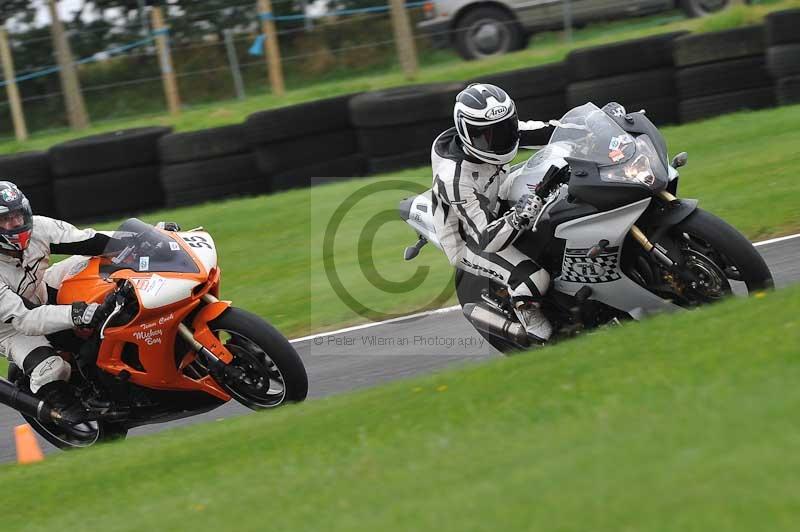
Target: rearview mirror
<point>680,160</point>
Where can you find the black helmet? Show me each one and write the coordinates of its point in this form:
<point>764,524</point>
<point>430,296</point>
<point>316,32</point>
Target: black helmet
<point>487,124</point>
<point>16,218</point>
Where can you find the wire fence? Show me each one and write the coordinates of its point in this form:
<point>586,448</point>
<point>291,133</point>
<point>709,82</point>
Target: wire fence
<point>123,80</point>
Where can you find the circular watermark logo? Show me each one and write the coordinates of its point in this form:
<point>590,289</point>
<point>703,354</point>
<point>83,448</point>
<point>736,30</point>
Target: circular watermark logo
<point>365,247</point>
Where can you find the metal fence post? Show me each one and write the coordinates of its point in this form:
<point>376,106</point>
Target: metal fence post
<point>233,60</point>
<point>567,5</point>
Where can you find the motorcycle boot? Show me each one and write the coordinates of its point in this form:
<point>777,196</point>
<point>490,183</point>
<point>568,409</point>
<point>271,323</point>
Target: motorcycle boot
<point>532,317</point>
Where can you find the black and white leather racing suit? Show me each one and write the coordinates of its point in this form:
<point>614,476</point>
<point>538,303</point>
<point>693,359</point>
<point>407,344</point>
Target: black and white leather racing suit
<point>25,315</point>
<point>475,235</point>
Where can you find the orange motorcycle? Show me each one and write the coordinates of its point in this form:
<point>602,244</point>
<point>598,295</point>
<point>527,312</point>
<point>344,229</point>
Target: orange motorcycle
<point>169,348</point>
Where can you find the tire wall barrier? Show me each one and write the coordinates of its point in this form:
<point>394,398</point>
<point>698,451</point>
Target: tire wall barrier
<point>674,77</point>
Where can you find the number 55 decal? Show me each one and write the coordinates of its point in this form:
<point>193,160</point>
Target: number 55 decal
<point>197,241</point>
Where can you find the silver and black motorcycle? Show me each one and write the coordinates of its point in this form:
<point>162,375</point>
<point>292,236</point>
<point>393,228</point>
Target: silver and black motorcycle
<point>616,240</point>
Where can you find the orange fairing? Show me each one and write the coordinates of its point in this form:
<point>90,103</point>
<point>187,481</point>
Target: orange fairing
<point>144,350</point>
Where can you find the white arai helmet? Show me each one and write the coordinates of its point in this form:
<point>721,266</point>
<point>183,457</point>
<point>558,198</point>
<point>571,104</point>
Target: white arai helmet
<point>487,124</point>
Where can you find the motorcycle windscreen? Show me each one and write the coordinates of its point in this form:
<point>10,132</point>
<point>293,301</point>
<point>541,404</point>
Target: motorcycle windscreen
<point>591,135</point>
<point>140,247</point>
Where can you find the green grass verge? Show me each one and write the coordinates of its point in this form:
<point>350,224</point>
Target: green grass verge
<point>684,422</point>
<point>444,66</point>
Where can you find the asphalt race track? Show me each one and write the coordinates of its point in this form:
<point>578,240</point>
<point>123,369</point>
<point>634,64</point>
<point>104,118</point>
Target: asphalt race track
<point>376,353</point>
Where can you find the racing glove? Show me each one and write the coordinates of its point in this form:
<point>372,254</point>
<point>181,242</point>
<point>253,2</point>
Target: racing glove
<point>169,226</point>
<point>85,316</point>
<point>525,211</point>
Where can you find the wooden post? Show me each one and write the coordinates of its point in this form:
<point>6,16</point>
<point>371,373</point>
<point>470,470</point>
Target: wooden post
<point>70,85</point>
<point>17,116</point>
<point>165,62</point>
<point>404,39</point>
<point>273,51</point>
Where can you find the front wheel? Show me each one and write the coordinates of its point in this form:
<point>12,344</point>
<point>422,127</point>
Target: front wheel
<point>723,260</point>
<point>269,370</point>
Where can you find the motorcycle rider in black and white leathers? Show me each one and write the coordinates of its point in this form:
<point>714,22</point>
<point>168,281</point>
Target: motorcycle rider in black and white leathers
<point>28,284</point>
<point>470,167</point>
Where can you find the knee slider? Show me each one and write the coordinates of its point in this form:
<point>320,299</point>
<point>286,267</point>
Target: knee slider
<point>528,279</point>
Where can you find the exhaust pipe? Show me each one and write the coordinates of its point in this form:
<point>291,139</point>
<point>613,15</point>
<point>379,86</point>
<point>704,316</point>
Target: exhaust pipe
<point>492,322</point>
<point>26,403</point>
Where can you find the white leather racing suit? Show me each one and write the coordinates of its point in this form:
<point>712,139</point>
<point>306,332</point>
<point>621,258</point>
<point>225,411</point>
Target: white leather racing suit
<point>25,315</point>
<point>475,235</point>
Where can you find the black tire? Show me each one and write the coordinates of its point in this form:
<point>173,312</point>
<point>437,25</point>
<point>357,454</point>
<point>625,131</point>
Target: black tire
<point>118,192</point>
<point>468,290</point>
<point>401,161</point>
<point>404,105</point>
<point>702,8</point>
<point>729,245</point>
<point>58,436</point>
<point>788,90</point>
<point>200,181</point>
<point>542,107</point>
<point>609,60</point>
<point>502,33</point>
<point>725,76</point>
<point>393,140</point>
<point>720,104</point>
<point>320,173</point>
<point>302,152</point>
<point>784,60</point>
<point>782,27</point>
<point>243,324</point>
<point>41,199</point>
<point>636,87</point>
<point>26,169</point>
<point>719,46</point>
<point>294,121</point>
<point>529,82</point>
<point>203,144</point>
<point>127,148</point>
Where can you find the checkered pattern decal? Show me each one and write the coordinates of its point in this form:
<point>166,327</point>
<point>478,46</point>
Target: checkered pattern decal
<point>578,268</point>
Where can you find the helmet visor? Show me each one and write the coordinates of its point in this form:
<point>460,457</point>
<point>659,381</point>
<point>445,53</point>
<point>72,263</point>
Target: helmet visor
<point>15,221</point>
<point>500,138</point>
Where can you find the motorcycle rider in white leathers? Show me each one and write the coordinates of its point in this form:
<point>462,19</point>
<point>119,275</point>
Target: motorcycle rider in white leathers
<point>470,167</point>
<point>26,281</point>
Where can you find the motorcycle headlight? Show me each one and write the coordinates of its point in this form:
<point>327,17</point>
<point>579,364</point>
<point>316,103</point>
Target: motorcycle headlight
<point>636,171</point>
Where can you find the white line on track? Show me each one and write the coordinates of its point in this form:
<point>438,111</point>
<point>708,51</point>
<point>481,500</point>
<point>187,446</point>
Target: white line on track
<point>458,307</point>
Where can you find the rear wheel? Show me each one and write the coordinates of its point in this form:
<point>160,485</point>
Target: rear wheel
<point>488,31</point>
<point>269,372</point>
<point>75,437</point>
<point>701,8</point>
<point>468,289</point>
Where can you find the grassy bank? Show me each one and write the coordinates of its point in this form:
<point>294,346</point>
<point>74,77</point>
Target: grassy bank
<point>544,48</point>
<point>631,428</point>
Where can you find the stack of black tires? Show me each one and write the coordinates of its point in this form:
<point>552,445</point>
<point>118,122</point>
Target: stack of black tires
<point>30,171</point>
<point>722,72</point>
<point>638,74</point>
<point>539,93</point>
<point>108,174</point>
<point>208,164</point>
<point>397,127</point>
<point>305,144</point>
<point>783,54</point>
